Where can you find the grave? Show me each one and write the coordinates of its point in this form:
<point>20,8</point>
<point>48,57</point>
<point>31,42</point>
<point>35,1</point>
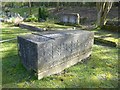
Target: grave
<point>72,18</point>
<point>51,52</point>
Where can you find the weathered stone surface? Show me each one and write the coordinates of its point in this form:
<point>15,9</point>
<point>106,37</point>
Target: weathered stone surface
<point>49,53</point>
<point>72,18</point>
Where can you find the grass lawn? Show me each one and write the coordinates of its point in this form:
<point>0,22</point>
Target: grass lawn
<point>10,31</point>
<point>99,71</point>
<point>107,35</point>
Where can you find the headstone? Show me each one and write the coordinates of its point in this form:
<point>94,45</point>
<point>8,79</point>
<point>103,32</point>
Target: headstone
<point>73,18</point>
<point>51,52</point>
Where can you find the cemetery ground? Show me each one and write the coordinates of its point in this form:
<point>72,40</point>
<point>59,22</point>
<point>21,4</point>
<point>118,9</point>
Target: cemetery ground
<point>99,71</point>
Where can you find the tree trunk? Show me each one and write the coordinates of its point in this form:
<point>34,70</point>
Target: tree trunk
<point>57,5</point>
<point>103,9</point>
<point>30,7</point>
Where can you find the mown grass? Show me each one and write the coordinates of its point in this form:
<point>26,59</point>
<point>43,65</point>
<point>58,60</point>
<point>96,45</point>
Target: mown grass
<point>100,71</point>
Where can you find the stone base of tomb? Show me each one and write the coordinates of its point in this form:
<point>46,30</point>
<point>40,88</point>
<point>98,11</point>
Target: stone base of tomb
<point>67,62</point>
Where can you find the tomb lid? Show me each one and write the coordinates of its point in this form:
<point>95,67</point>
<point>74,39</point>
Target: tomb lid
<point>43,37</point>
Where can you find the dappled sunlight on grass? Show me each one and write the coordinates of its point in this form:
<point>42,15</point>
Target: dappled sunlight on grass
<point>10,32</point>
<point>9,49</point>
<point>111,39</point>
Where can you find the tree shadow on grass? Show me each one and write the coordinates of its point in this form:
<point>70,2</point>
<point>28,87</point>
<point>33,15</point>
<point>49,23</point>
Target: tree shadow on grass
<point>12,68</point>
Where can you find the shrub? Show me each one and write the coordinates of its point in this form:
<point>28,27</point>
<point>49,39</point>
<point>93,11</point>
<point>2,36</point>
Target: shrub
<point>42,13</point>
<point>31,18</point>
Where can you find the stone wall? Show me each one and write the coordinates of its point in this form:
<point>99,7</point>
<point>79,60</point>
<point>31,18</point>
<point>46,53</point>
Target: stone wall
<point>72,18</point>
<point>50,53</point>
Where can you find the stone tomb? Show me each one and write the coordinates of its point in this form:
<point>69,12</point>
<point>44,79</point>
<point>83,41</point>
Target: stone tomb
<point>72,18</point>
<point>51,52</point>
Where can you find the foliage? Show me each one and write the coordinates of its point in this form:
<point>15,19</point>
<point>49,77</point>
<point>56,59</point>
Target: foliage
<point>42,13</point>
<point>31,18</point>
<point>21,11</point>
<point>47,4</point>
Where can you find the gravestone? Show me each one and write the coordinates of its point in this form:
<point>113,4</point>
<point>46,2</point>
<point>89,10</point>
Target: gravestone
<point>51,52</point>
<point>73,18</point>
